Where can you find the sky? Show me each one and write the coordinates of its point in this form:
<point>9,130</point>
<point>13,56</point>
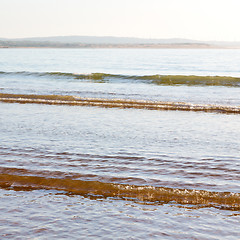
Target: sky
<point>216,20</point>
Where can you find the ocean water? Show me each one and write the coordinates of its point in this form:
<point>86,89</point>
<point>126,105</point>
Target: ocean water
<point>120,144</point>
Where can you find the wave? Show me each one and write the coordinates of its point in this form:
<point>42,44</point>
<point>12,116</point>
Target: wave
<point>171,80</point>
<point>21,179</point>
<point>115,103</point>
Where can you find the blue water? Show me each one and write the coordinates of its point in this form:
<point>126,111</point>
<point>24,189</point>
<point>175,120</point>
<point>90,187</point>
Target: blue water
<point>137,62</point>
<point>222,62</point>
<point>137,148</point>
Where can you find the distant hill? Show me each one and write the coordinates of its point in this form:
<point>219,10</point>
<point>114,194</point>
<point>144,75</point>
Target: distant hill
<point>104,40</point>
<point>109,41</point>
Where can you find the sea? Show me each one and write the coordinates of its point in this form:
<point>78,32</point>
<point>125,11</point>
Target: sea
<point>119,143</point>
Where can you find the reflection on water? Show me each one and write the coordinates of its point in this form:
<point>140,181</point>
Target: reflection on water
<point>87,172</point>
<point>68,170</point>
<point>139,147</point>
<point>54,215</point>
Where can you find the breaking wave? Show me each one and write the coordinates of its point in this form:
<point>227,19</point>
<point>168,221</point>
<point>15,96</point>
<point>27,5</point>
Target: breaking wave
<point>116,103</point>
<point>21,179</point>
<point>189,80</point>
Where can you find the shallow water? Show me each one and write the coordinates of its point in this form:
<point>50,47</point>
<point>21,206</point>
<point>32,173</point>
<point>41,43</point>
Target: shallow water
<point>117,172</point>
<point>37,214</point>
<point>170,149</point>
<point>81,150</point>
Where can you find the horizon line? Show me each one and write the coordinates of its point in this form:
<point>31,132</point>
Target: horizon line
<point>120,37</point>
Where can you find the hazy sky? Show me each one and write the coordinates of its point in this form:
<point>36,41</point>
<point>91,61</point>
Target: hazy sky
<point>194,19</point>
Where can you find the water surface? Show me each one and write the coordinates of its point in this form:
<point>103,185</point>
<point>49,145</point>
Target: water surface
<point>119,171</point>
